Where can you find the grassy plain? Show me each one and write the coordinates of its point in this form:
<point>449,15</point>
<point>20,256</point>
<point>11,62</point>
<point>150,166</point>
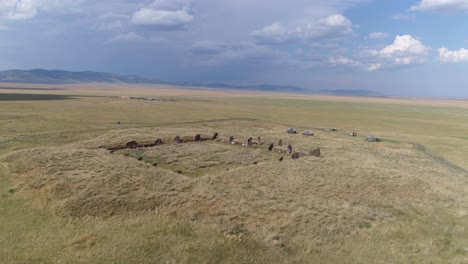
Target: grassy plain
<point>66,200</point>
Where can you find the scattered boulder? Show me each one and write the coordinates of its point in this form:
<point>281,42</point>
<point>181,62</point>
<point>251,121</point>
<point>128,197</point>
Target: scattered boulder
<point>177,140</point>
<point>270,148</point>
<point>373,139</point>
<point>289,149</point>
<point>249,142</point>
<point>231,139</point>
<point>295,156</point>
<point>280,143</point>
<point>140,158</point>
<point>158,142</point>
<point>292,130</point>
<point>132,145</point>
<point>259,139</point>
<point>155,164</point>
<point>331,130</point>
<point>197,138</point>
<point>215,136</point>
<point>280,159</point>
<point>118,122</point>
<point>353,134</point>
<point>307,133</point>
<point>315,152</point>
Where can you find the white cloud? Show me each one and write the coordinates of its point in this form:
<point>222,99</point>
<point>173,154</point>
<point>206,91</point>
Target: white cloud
<point>27,9</point>
<point>130,37</point>
<point>455,56</point>
<point>377,35</point>
<point>331,26</point>
<point>18,9</point>
<point>442,6</point>
<point>374,67</point>
<point>3,28</point>
<point>404,50</point>
<point>340,60</point>
<point>164,13</point>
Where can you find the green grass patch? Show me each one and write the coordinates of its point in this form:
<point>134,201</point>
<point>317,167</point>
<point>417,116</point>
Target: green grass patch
<point>32,97</point>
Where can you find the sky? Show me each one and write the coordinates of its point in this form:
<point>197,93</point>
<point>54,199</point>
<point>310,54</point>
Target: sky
<point>401,48</point>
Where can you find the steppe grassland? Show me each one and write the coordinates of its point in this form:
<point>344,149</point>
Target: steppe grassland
<point>360,202</point>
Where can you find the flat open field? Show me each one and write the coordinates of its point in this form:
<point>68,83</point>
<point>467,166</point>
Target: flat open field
<point>64,198</point>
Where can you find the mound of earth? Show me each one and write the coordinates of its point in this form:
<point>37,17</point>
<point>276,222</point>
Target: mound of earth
<point>355,186</point>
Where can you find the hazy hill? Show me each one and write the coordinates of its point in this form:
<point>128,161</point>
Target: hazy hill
<point>40,76</point>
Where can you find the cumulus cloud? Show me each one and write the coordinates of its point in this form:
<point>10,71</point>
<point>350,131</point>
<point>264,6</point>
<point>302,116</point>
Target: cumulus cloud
<point>377,35</point>
<point>331,26</point>
<point>405,50</point>
<point>164,13</point>
<point>27,9</point>
<point>341,60</point>
<point>441,6</point>
<point>455,56</point>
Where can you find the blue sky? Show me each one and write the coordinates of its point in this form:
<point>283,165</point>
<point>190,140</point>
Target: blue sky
<point>408,48</point>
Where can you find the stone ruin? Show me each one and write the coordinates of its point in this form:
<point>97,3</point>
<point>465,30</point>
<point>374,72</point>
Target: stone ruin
<point>289,149</point>
<point>295,156</point>
<point>250,143</point>
<point>315,152</point>
<point>373,139</point>
<point>270,148</point>
<point>132,145</point>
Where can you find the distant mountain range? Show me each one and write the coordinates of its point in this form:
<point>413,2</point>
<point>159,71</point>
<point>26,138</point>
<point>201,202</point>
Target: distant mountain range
<point>40,76</point>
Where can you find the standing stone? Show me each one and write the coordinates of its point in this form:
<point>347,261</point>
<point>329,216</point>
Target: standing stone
<point>289,150</point>
<point>270,148</point>
<point>315,152</point>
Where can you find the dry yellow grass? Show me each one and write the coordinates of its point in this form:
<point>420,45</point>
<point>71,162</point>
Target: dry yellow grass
<point>362,202</point>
